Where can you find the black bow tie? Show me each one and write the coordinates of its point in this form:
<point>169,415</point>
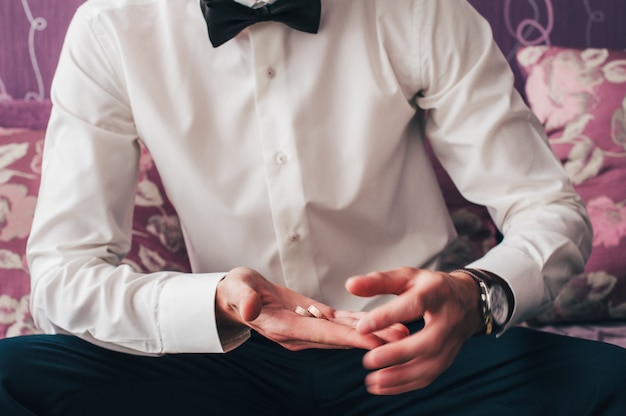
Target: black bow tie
<point>226,18</point>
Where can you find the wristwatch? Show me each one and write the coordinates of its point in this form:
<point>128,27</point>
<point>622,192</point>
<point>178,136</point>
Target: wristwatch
<point>496,301</point>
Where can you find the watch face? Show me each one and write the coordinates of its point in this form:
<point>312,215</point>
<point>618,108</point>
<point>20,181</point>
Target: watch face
<point>499,305</point>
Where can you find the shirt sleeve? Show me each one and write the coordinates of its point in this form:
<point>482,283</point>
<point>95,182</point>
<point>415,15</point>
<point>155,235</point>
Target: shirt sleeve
<point>83,220</point>
<point>497,154</point>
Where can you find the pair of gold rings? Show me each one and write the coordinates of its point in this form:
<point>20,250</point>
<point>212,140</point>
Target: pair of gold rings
<point>311,312</point>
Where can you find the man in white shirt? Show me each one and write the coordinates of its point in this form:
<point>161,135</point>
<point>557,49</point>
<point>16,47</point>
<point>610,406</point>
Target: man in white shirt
<point>293,148</point>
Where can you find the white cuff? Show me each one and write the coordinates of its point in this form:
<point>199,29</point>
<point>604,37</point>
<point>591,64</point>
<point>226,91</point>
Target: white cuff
<point>523,276</point>
<point>186,315</point>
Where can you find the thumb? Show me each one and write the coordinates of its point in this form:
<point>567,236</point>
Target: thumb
<point>378,283</point>
<point>250,304</point>
<point>236,301</point>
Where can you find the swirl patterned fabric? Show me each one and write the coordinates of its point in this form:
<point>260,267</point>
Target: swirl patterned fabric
<point>32,31</point>
<point>31,36</point>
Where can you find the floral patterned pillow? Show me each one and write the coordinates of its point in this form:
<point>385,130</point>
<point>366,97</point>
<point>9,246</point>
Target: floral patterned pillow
<point>157,239</point>
<point>20,170</point>
<point>580,97</point>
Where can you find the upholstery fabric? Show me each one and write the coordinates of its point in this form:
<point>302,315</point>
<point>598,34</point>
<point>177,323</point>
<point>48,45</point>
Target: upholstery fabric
<point>20,169</point>
<point>32,32</point>
<point>580,97</point>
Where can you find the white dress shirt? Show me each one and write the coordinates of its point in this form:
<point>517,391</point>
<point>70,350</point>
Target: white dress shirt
<point>299,155</point>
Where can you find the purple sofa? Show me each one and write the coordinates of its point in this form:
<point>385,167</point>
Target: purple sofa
<point>569,60</point>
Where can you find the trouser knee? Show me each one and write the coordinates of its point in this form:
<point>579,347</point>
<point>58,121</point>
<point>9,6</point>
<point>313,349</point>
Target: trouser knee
<point>16,380</point>
<point>12,365</point>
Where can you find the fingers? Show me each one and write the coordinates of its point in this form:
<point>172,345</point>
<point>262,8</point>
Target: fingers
<point>414,361</point>
<point>406,307</point>
<point>418,292</point>
<point>379,283</point>
<point>401,309</point>
<point>430,341</point>
<point>391,333</point>
<point>399,379</point>
<point>412,375</point>
<point>297,332</point>
<point>409,364</point>
<point>392,354</point>
<point>248,298</point>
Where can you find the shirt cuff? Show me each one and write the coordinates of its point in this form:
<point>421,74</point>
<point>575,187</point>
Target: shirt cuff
<point>523,276</point>
<point>186,316</point>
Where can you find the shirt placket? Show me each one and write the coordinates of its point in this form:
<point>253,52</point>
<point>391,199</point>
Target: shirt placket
<point>278,137</point>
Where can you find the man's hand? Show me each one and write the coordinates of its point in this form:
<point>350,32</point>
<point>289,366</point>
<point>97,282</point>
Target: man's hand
<point>244,297</point>
<point>449,304</point>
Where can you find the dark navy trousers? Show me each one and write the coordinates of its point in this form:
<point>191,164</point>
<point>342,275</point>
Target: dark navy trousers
<point>524,372</point>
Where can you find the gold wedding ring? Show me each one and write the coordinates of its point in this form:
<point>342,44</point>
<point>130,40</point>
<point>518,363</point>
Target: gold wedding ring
<point>316,312</point>
<point>301,311</point>
<point>311,312</point>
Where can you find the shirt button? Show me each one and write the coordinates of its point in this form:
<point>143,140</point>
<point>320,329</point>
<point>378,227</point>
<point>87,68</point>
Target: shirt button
<point>294,237</point>
<point>280,158</point>
<point>270,72</point>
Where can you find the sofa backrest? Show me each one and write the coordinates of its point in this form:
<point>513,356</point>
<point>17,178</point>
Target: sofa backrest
<point>32,32</point>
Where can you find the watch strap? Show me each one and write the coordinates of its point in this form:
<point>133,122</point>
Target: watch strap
<point>484,281</point>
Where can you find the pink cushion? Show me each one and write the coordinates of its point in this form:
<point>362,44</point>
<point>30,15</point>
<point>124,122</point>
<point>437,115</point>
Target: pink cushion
<point>20,169</point>
<point>157,239</point>
<point>580,97</point>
